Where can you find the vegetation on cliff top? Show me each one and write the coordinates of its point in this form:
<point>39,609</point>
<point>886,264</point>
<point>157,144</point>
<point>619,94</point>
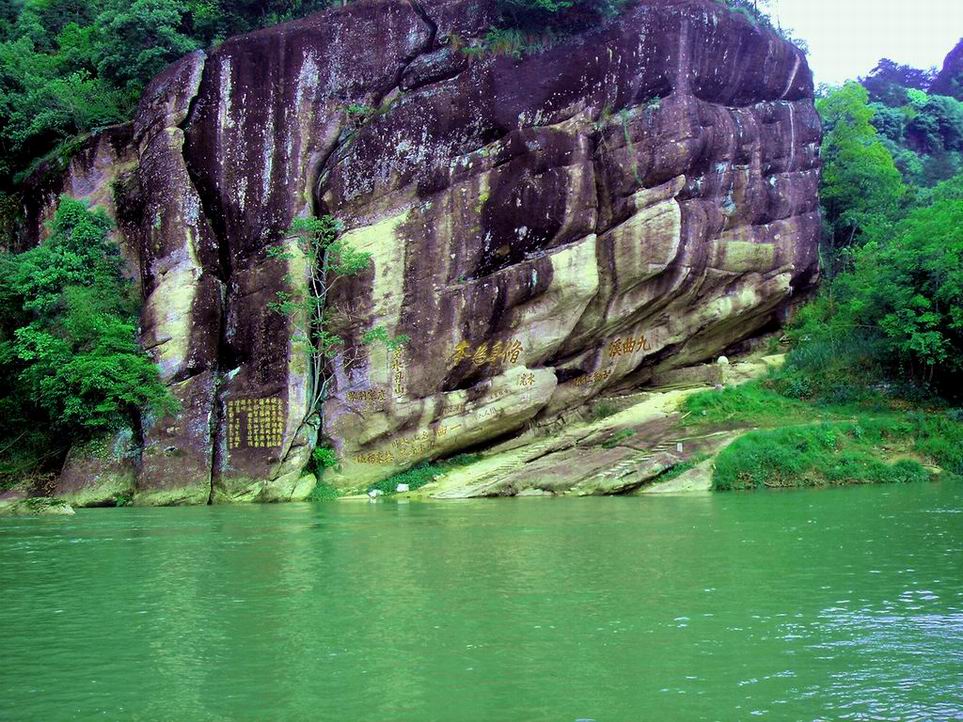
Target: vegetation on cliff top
<point>68,67</point>
<point>71,66</point>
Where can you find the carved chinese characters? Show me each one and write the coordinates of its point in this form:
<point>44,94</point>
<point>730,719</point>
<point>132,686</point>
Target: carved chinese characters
<point>498,352</point>
<point>627,346</point>
<point>593,378</point>
<point>404,449</point>
<point>370,399</point>
<point>398,372</point>
<point>255,423</point>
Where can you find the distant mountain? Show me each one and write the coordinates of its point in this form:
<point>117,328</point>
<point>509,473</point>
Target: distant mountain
<point>950,80</point>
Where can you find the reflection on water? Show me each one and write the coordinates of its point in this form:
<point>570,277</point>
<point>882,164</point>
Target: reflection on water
<point>838,604</point>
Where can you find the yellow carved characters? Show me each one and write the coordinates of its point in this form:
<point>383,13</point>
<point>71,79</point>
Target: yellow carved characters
<point>370,399</point>
<point>398,372</point>
<point>627,346</point>
<point>258,423</point>
<point>497,352</point>
<point>593,378</point>
<point>404,449</point>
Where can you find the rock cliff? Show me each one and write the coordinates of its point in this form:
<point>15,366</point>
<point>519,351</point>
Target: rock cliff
<point>546,228</point>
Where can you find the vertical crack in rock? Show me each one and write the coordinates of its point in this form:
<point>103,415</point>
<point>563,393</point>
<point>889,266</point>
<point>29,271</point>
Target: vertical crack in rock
<point>222,271</point>
<point>433,26</point>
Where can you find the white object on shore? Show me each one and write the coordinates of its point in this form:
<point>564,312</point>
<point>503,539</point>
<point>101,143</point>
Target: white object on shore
<point>722,361</point>
<point>375,493</point>
<point>402,488</point>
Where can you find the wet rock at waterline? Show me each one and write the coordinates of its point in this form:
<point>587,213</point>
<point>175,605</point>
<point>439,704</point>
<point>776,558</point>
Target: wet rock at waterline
<point>543,229</point>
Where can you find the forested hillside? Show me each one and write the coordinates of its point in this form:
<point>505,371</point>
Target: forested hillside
<point>892,195</point>
<point>921,126</point>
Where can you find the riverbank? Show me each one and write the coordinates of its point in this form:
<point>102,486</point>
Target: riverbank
<point>700,429</point>
<point>691,438</point>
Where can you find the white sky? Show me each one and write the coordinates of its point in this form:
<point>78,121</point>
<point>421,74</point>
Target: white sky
<point>847,37</point>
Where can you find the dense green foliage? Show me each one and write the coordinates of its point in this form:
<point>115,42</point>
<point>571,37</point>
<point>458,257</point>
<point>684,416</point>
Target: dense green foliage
<point>922,131</point>
<point>860,182</point>
<point>70,365</point>
<point>862,435</point>
<point>538,14</point>
<point>891,307</point>
<point>70,66</point>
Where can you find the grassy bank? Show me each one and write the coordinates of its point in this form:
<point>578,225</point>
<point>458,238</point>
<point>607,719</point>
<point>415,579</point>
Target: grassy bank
<point>815,442</point>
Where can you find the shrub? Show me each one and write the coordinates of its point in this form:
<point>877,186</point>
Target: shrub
<point>324,457</point>
<point>604,409</point>
<point>540,14</point>
<point>70,363</point>
<point>323,492</point>
<point>617,438</point>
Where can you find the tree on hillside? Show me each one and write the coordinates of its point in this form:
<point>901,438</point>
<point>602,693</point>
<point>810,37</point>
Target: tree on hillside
<point>907,285</point>
<point>888,81</point>
<point>70,364</point>
<point>536,14</point>
<point>861,185</point>
<point>70,66</point>
<point>137,42</point>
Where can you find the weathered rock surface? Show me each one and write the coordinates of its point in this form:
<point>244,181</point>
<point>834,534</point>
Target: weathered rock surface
<point>633,200</point>
<point>639,446</point>
<point>101,472</point>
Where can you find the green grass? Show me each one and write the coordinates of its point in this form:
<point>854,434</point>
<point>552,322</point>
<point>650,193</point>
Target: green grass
<point>417,476</point>
<point>826,418</point>
<point>604,409</point>
<point>617,438</point>
<point>750,403</point>
<point>682,467</point>
<point>848,452</point>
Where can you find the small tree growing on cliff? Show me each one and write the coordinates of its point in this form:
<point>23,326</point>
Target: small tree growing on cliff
<point>329,260</point>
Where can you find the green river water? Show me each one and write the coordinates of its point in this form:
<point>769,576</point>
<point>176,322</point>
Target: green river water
<point>841,604</point>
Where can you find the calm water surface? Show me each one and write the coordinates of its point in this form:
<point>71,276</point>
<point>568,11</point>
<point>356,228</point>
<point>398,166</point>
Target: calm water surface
<point>843,604</point>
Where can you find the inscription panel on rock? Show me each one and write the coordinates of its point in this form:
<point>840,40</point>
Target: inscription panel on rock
<point>255,423</point>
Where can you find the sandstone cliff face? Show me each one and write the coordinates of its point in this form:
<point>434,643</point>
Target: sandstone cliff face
<point>544,229</point>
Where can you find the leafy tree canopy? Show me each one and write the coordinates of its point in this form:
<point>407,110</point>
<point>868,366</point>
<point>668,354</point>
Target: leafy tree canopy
<point>861,184</point>
<point>71,66</point>
<point>70,365</point>
<point>537,14</point>
<point>888,82</point>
